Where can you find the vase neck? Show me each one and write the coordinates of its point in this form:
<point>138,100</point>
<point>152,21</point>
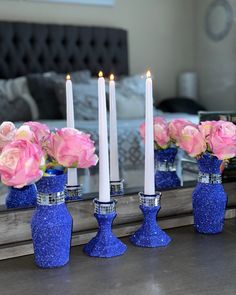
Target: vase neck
<point>166,155</point>
<point>50,199</point>
<point>209,164</point>
<point>209,178</point>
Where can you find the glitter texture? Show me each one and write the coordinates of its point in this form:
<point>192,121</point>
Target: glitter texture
<point>150,235</point>
<point>51,226</point>
<point>167,178</point>
<point>209,200</point>
<point>117,188</point>
<point>73,193</point>
<point>105,244</point>
<point>22,197</point>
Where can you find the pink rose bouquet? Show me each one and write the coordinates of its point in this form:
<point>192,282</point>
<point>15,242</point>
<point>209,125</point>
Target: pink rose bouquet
<point>72,148</point>
<point>220,137</point>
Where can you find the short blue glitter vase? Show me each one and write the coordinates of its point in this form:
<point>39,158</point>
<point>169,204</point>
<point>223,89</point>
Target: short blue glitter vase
<point>105,244</point>
<point>150,235</point>
<point>166,177</point>
<point>22,197</point>
<point>209,197</point>
<point>51,223</point>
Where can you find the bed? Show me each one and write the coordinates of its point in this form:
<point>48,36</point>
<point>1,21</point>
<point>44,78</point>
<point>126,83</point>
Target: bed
<point>31,50</point>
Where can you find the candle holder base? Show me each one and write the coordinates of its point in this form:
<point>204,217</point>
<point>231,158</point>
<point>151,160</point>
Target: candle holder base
<point>105,244</point>
<point>117,188</point>
<point>150,235</point>
<point>73,192</point>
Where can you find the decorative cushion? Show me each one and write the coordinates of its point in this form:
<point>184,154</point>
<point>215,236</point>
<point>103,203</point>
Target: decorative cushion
<point>130,97</point>
<point>42,88</point>
<point>85,100</point>
<point>180,105</point>
<point>16,103</point>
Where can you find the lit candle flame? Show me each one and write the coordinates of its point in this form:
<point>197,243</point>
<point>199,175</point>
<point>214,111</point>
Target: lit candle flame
<point>100,74</point>
<point>68,77</point>
<point>148,74</point>
<point>112,77</point>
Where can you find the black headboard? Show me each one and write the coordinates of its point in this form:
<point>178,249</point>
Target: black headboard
<point>35,48</point>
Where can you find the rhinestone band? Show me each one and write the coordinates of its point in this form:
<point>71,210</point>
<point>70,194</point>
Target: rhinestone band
<point>104,208</point>
<point>149,200</point>
<point>73,191</point>
<point>51,199</point>
<point>117,187</point>
<point>165,166</point>
<point>209,178</point>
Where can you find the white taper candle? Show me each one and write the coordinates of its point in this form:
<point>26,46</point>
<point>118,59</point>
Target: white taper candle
<point>72,177</point>
<point>149,182</point>
<point>114,156</point>
<point>104,182</point>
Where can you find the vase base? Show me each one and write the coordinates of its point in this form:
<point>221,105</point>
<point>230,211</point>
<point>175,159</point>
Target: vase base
<point>100,248</point>
<point>49,265</point>
<point>208,230</point>
<point>143,238</point>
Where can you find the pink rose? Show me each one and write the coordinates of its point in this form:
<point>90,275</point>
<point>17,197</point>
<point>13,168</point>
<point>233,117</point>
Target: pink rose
<point>191,140</point>
<point>20,163</point>
<point>222,140</point>
<point>7,133</point>
<point>176,126</point>
<point>25,133</point>
<point>206,128</point>
<point>72,148</point>
<point>161,132</point>
<point>40,130</point>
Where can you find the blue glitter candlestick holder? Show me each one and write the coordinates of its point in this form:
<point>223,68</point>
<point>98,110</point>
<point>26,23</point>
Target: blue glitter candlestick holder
<point>166,176</point>
<point>22,197</point>
<point>117,188</point>
<point>150,235</point>
<point>51,223</point>
<point>73,192</point>
<point>209,197</point>
<point>105,244</point>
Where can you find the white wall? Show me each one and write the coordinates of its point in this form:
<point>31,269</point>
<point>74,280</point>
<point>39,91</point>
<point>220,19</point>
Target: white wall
<point>161,32</point>
<point>216,63</point>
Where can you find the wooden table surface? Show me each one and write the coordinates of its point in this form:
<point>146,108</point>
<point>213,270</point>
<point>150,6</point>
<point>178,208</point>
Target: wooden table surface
<point>191,264</point>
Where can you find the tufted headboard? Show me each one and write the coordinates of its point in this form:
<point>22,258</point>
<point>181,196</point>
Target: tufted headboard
<point>35,48</point>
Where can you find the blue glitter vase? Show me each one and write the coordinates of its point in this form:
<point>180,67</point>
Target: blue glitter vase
<point>209,197</point>
<point>150,235</point>
<point>22,197</point>
<point>51,223</point>
<point>105,244</point>
<point>166,177</point>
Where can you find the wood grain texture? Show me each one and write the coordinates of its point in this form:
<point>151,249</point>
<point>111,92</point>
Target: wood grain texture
<point>15,238</point>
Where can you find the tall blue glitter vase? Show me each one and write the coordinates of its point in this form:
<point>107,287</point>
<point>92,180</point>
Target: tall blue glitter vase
<point>22,197</point>
<point>51,223</point>
<point>165,176</point>
<point>209,197</point>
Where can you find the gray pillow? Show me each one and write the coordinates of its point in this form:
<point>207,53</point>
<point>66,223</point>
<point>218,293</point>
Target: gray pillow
<point>14,110</point>
<point>85,100</point>
<point>13,91</point>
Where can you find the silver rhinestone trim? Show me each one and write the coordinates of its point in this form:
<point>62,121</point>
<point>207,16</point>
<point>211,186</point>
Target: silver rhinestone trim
<point>117,187</point>
<point>209,178</point>
<point>150,201</point>
<point>50,199</point>
<point>104,208</point>
<point>165,166</point>
<point>73,191</point>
